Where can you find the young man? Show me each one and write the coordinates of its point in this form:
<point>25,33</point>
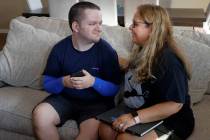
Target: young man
<point>78,96</point>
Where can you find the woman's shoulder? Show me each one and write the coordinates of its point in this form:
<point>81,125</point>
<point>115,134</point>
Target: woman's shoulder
<point>168,61</point>
<point>167,68</point>
<point>168,58</point>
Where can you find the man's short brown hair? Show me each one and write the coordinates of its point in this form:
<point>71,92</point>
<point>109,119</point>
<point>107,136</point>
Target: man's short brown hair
<point>77,10</point>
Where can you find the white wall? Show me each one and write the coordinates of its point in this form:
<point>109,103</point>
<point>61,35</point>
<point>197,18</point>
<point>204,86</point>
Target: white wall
<point>165,3</point>
<point>108,9</point>
<point>60,8</point>
<point>130,8</point>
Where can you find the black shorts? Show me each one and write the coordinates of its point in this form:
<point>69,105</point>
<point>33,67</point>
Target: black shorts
<point>183,125</point>
<point>76,110</point>
<point>162,130</point>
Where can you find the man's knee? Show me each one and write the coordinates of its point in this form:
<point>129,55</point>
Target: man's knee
<point>103,129</point>
<point>44,115</point>
<point>89,129</point>
<point>122,136</point>
<point>106,132</point>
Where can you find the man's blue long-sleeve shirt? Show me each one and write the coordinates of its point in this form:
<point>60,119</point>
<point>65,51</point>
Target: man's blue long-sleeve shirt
<point>101,61</point>
<point>55,86</point>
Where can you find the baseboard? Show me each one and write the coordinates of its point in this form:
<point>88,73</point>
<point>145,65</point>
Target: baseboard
<point>4,31</point>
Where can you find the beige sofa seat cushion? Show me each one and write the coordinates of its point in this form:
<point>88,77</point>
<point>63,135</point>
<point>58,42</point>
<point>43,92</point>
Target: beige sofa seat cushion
<point>6,135</point>
<point>198,54</point>
<point>24,56</point>
<point>16,105</point>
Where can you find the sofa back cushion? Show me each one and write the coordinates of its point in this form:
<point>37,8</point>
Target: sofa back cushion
<point>24,55</point>
<point>120,38</point>
<point>49,24</point>
<point>196,36</point>
<point>198,54</point>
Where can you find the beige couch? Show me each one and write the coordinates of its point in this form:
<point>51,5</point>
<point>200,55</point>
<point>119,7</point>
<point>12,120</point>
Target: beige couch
<point>23,59</point>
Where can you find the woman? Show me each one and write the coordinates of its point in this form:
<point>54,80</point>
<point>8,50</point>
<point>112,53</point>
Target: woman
<point>156,83</point>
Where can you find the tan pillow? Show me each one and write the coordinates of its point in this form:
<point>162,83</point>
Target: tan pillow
<point>25,53</point>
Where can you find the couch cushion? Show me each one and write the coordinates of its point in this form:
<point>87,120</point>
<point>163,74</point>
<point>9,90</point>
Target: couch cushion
<point>8,135</point>
<point>196,36</point>
<point>16,105</point>
<point>49,24</point>
<point>198,54</point>
<point>1,83</point>
<point>24,56</point>
<point>120,38</point>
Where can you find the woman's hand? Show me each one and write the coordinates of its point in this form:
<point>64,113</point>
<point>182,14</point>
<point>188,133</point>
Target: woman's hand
<point>123,122</point>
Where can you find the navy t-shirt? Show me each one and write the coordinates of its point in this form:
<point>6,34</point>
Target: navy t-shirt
<point>100,60</point>
<point>170,84</point>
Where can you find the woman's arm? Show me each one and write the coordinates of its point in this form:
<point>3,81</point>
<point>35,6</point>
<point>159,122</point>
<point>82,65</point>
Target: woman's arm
<point>159,111</point>
<point>156,112</point>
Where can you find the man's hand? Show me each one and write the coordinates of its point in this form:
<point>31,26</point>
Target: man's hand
<point>67,82</point>
<point>82,82</point>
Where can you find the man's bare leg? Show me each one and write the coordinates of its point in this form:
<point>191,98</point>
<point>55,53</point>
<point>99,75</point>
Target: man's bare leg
<point>88,130</point>
<point>44,120</point>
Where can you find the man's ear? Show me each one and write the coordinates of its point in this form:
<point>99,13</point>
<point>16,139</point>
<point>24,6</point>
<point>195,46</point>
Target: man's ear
<point>75,26</point>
